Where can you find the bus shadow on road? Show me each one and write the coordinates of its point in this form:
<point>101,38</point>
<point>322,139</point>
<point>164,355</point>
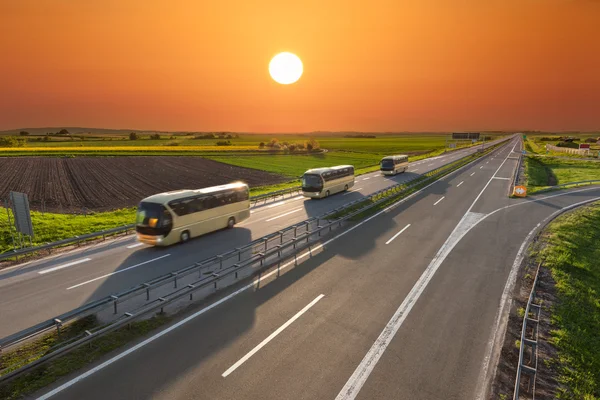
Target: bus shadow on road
<point>213,341</point>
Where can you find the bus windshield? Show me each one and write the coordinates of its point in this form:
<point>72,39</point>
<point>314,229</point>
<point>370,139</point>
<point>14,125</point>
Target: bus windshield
<point>312,183</point>
<point>388,163</point>
<point>152,215</point>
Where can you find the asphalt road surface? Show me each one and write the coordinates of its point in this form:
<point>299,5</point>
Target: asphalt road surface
<point>405,305</point>
<point>40,290</point>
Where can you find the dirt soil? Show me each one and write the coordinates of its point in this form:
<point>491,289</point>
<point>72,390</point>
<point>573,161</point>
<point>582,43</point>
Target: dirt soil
<point>546,386</point>
<point>106,183</point>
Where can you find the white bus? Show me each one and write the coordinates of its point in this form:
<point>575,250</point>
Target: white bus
<point>391,165</point>
<point>177,216</point>
<point>322,182</point>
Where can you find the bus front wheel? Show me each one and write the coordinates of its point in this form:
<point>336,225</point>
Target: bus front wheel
<point>327,193</point>
<point>230,222</point>
<point>185,236</point>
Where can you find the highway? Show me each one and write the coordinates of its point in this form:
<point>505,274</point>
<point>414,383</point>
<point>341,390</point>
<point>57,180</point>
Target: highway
<point>40,290</point>
<point>405,305</point>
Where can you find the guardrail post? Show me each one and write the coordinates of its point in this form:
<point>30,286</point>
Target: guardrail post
<point>216,276</point>
<point>147,286</point>
<point>58,324</point>
<point>220,261</point>
<point>191,293</point>
<point>174,274</point>
<point>239,250</point>
<point>266,241</point>
<point>280,237</point>
<point>236,266</point>
<point>115,299</point>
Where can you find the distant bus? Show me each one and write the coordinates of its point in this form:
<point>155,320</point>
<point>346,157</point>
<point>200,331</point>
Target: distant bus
<point>391,165</point>
<point>167,218</point>
<point>322,182</point>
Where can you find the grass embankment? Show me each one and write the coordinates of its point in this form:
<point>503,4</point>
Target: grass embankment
<point>571,254</point>
<point>55,369</point>
<point>48,227</point>
<point>542,172</point>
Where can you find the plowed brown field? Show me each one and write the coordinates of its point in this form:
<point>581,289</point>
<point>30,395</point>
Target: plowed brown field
<point>105,183</point>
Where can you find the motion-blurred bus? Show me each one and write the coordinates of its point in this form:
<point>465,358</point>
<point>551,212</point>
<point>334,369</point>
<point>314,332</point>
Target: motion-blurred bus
<point>392,165</point>
<point>322,182</point>
<point>167,218</point>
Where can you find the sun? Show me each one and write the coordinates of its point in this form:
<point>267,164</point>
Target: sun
<point>285,68</point>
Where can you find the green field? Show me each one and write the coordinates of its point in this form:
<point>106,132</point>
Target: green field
<point>572,256</point>
<point>542,172</point>
<point>536,144</point>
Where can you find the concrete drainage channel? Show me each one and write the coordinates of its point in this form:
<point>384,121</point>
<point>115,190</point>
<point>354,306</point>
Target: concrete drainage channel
<point>172,291</point>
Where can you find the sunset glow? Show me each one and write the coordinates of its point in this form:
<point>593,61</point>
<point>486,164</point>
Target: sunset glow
<point>384,65</point>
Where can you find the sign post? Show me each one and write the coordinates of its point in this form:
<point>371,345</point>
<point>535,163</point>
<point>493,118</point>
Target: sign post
<point>22,214</point>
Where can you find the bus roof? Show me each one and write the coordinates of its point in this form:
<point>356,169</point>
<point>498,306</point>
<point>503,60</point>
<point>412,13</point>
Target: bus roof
<point>178,194</point>
<point>395,156</point>
<point>320,171</point>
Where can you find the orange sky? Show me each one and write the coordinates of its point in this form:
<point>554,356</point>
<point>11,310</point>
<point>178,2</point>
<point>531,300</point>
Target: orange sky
<point>369,65</point>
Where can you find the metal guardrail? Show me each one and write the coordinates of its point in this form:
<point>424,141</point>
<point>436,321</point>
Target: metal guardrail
<point>273,195</point>
<point>530,342</point>
<point>233,265</point>
<point>74,240</point>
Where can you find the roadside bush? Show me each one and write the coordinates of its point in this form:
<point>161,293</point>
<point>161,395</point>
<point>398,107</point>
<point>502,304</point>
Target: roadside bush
<point>273,142</point>
<point>312,144</point>
<point>223,143</point>
<point>276,146</point>
<point>570,145</point>
<point>24,133</point>
<point>590,140</point>
<point>261,145</point>
<point>133,136</point>
<point>156,136</point>
<point>292,147</point>
<point>11,141</point>
<point>300,146</point>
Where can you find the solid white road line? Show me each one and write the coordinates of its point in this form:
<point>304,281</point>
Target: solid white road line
<point>251,285</point>
<point>436,203</point>
<point>353,191</point>
<point>414,170</point>
<point>368,363</point>
<point>133,246</point>
<point>364,179</point>
<point>460,183</point>
<point>117,272</point>
<point>473,174</point>
<point>276,204</point>
<point>271,336</point>
<point>481,167</point>
<point>498,177</point>
<point>283,215</point>
<point>397,234</point>
<point>45,271</point>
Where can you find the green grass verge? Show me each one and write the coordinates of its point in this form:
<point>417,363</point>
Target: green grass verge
<point>541,172</point>
<point>49,227</point>
<point>53,370</point>
<point>572,253</point>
